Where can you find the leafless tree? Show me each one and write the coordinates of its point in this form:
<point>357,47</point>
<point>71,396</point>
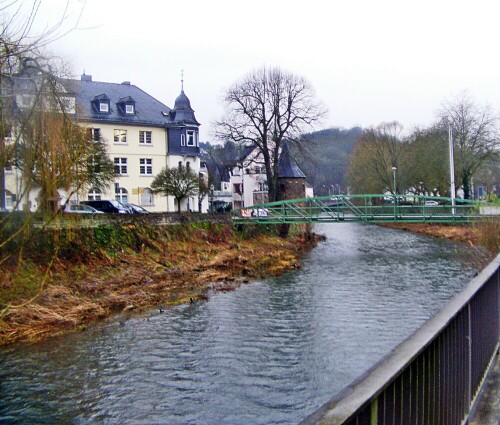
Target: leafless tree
<point>378,150</point>
<point>265,109</point>
<point>475,136</point>
<point>29,74</point>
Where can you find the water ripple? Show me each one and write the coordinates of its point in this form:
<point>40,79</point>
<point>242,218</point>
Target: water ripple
<point>268,353</point>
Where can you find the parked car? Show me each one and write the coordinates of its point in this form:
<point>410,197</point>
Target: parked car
<point>112,206</point>
<point>80,209</point>
<point>431,203</point>
<point>137,209</point>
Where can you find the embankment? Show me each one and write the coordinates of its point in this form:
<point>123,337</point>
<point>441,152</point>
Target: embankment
<point>56,281</point>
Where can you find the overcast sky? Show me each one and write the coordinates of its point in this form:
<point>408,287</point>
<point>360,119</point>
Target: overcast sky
<point>369,61</point>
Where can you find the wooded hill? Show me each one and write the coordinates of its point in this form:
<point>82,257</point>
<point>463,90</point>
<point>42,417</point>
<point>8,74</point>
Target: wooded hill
<point>324,158</point>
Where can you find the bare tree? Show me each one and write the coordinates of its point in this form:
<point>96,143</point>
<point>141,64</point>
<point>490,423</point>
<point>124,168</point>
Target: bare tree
<point>427,164</point>
<point>475,136</point>
<point>24,68</point>
<point>377,152</point>
<point>266,108</point>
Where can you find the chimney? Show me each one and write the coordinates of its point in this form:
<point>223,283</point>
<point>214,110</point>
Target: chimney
<point>86,77</point>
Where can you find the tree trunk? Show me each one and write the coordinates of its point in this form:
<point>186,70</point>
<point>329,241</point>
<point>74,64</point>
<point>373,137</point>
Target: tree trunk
<point>465,184</point>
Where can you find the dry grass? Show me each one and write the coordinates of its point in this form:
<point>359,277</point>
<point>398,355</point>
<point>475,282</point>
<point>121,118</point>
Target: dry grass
<point>169,270</point>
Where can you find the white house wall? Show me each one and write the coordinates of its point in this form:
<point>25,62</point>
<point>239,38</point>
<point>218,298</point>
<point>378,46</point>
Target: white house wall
<point>249,177</point>
<point>133,151</point>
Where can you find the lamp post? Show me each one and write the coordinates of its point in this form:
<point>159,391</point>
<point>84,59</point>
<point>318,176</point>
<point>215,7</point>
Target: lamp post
<point>452,164</point>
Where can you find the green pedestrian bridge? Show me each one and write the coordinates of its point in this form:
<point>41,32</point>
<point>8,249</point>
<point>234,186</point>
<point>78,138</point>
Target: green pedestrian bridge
<point>378,208</point>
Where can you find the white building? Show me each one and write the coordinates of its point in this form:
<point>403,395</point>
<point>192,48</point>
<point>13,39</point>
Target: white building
<point>249,179</point>
<point>143,136</point>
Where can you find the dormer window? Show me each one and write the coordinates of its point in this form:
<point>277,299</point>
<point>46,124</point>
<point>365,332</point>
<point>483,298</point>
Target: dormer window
<point>101,104</point>
<point>126,105</point>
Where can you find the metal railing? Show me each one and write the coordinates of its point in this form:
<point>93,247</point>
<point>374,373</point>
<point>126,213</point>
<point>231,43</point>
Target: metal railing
<point>435,375</point>
<point>364,208</point>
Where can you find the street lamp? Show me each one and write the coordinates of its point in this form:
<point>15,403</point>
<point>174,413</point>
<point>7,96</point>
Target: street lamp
<point>452,164</point>
<point>394,177</point>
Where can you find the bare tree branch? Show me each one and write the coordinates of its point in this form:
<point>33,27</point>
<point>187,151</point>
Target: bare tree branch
<point>268,107</point>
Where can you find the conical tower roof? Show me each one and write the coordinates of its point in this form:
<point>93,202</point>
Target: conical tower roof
<point>287,167</point>
<point>182,113</point>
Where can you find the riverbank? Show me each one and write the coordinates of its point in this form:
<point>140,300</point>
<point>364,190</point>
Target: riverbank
<point>485,235</point>
<point>141,268</point>
<point>80,278</point>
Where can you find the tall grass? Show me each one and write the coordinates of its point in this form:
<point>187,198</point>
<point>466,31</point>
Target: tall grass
<point>489,235</point>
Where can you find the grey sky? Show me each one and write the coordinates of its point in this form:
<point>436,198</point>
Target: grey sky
<point>369,61</point>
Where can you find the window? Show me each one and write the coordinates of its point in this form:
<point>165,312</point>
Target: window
<point>180,165</point>
<point>237,188</point>
<point>95,134</point>
<point>188,166</point>
<point>145,137</point>
<point>121,195</point>
<point>129,109</point>
<point>263,187</point>
<point>94,165</point>
<point>94,195</point>
<point>146,166</point>
<point>190,138</point>
<point>121,166</point>
<point>8,131</point>
<point>8,200</point>
<point>8,167</point>
<point>120,136</point>
<point>260,170</point>
<point>147,197</point>
<point>103,107</point>
<point>183,140</point>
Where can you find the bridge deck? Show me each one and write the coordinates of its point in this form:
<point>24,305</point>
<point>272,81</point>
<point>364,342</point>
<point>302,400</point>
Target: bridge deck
<point>366,208</point>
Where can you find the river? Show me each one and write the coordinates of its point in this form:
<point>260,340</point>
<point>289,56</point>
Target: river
<point>271,351</point>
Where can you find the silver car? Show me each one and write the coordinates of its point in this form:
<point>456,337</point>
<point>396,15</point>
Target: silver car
<point>80,209</point>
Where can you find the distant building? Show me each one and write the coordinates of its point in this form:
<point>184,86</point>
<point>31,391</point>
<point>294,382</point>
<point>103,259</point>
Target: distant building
<point>249,179</point>
<point>291,180</point>
<point>143,136</point>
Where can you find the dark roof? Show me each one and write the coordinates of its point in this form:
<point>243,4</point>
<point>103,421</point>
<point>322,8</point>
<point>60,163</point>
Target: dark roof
<point>182,112</point>
<point>245,151</point>
<point>148,110</point>
<point>225,177</point>
<point>287,167</point>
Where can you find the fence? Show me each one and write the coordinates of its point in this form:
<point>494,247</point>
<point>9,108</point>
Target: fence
<point>434,376</point>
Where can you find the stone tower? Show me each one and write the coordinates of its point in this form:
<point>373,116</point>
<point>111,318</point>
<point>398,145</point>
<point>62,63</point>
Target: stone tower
<point>291,179</point>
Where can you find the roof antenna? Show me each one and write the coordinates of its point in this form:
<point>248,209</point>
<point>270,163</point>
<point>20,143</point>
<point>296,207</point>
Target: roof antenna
<point>182,79</point>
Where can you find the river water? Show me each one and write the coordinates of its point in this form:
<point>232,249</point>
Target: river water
<point>269,352</point>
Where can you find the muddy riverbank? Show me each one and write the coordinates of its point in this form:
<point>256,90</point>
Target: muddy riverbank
<point>77,288</point>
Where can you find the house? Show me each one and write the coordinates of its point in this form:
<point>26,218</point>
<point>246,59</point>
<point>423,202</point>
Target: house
<point>143,136</point>
<point>221,198</point>
<point>249,179</point>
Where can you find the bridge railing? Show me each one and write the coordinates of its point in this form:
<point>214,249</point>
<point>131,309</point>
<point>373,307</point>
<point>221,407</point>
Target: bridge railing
<point>369,208</point>
<point>434,376</point>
